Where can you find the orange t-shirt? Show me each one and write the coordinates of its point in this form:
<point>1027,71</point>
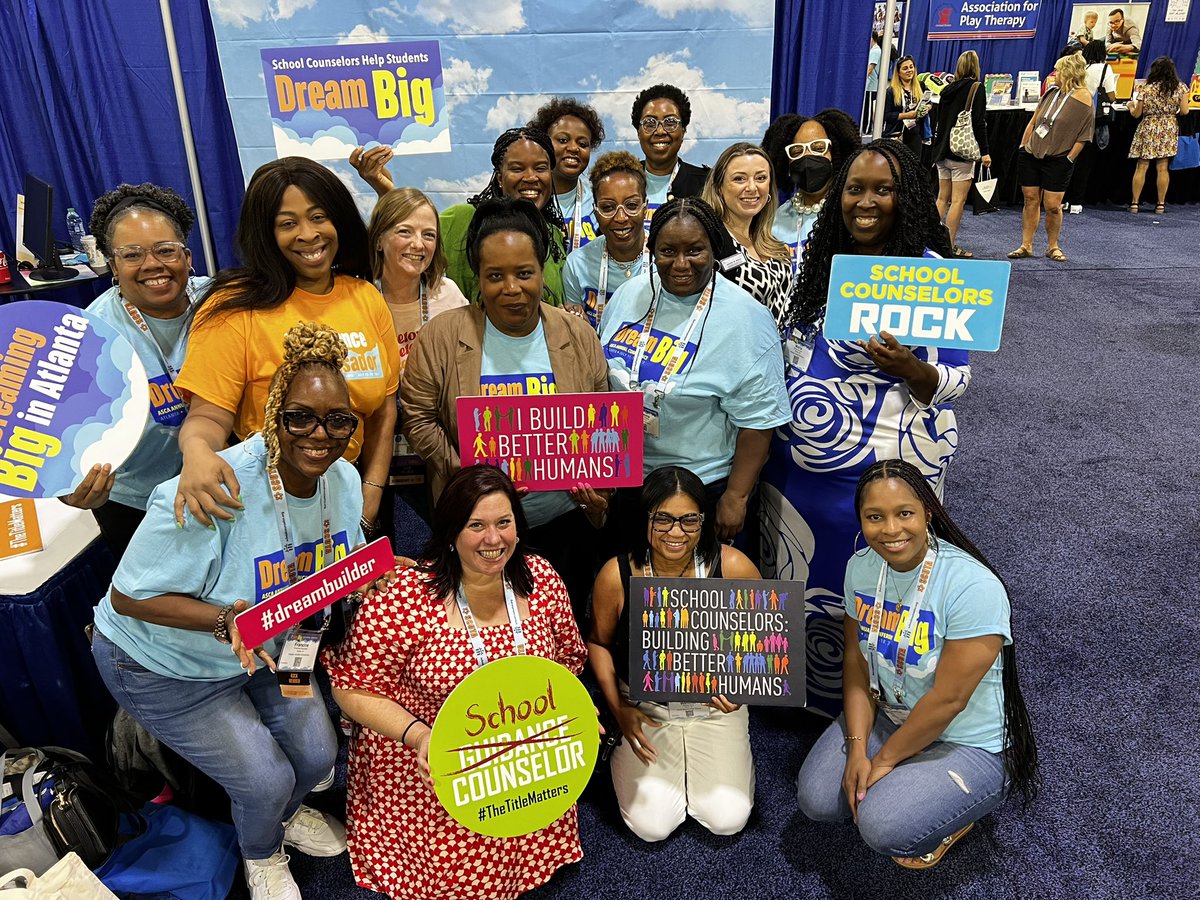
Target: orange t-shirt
<point>231,358</point>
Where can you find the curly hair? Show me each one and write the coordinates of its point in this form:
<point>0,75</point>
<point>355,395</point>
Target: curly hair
<point>661,92</point>
<point>1164,75</point>
<point>111,208</point>
<point>557,107</point>
<point>306,345</point>
<point>841,130</point>
<point>766,245</point>
<point>550,213</point>
<point>1071,72</point>
<point>390,210</point>
<point>617,161</point>
<point>916,227</point>
<point>1020,750</point>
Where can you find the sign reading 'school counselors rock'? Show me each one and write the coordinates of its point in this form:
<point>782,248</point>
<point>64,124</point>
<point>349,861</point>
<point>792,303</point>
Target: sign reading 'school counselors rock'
<point>513,746</point>
<point>73,393</point>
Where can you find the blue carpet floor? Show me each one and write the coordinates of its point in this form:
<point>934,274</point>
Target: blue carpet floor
<point>1077,475</point>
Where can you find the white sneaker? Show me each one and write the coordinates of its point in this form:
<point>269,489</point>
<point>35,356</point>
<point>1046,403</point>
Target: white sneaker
<point>325,783</point>
<point>1075,209</point>
<point>271,879</point>
<point>314,833</point>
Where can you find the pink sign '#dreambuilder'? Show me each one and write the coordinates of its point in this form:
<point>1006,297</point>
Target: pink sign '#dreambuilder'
<point>553,442</point>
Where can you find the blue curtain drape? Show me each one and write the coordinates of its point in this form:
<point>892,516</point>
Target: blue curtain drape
<point>821,49</point>
<point>90,104</point>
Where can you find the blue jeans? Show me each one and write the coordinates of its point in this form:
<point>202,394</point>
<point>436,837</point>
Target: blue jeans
<point>927,797</point>
<point>267,751</point>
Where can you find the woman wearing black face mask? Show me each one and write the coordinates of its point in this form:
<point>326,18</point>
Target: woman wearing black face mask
<point>810,151</point>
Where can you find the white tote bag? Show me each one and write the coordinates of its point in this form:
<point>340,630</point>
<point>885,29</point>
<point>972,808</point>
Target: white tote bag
<point>67,879</point>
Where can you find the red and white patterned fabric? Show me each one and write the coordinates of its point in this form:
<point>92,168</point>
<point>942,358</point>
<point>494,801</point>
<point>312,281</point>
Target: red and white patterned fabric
<point>402,842</point>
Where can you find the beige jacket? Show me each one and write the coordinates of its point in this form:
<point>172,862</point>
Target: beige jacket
<point>445,363</point>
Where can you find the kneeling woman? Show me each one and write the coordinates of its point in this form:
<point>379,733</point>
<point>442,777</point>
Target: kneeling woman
<point>166,643</point>
<point>934,721</point>
<point>677,759</point>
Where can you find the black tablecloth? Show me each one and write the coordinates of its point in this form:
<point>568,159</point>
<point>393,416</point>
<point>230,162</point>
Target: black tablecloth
<point>1112,173</point>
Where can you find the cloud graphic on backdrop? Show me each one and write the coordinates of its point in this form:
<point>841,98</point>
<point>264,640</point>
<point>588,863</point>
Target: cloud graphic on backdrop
<point>461,81</point>
<point>336,143</point>
<point>462,187</point>
<point>758,14</point>
<point>496,17</point>
<point>362,34</point>
<point>241,13</point>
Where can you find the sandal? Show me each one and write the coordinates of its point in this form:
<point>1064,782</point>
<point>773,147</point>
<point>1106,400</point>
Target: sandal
<point>1133,207</point>
<point>929,860</point>
<point>1056,254</point>
<point>1160,209</point>
<point>1021,252</point>
<point>960,253</point>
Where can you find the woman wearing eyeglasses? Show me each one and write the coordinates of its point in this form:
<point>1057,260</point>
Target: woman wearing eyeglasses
<point>810,151</point>
<point>594,272</point>
<point>143,231</point>
<point>677,759</point>
<point>167,644</point>
<point>661,114</point>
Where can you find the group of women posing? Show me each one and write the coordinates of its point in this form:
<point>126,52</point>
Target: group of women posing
<point>842,437</point>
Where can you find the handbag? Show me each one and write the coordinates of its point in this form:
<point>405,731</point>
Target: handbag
<point>1103,107</point>
<point>983,190</point>
<point>1188,155</point>
<point>67,879</point>
<point>962,135</point>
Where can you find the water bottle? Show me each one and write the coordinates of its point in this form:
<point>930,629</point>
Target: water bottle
<point>75,229</point>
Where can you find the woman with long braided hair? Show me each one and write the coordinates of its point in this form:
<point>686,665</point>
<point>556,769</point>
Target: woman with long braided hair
<point>705,355</point>
<point>166,641</point>
<point>934,720</point>
<point>853,402</point>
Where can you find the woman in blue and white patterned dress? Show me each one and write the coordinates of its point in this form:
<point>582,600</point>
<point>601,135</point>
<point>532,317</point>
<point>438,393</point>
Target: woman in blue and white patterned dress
<point>853,403</point>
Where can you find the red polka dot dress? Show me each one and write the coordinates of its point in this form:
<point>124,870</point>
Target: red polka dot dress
<point>402,842</point>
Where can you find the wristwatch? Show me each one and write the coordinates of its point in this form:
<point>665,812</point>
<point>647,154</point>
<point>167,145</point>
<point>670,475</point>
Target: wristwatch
<point>221,628</point>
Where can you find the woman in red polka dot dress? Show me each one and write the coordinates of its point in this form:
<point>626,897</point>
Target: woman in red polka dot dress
<point>408,649</point>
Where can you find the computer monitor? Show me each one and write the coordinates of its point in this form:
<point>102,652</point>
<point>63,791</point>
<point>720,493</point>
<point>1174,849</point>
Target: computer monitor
<point>39,232</point>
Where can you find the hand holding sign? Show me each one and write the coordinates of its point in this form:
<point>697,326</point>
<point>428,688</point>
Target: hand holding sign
<point>240,650</point>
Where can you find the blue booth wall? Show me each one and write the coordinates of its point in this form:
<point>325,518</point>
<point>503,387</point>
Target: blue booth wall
<point>821,48</point>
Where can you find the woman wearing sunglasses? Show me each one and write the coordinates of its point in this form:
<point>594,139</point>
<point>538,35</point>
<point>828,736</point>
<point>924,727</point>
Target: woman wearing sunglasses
<point>167,644</point>
<point>677,759</point>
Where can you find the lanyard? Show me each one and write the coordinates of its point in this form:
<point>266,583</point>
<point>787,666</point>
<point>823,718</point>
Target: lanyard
<point>1061,103</point>
<point>514,621</point>
<point>697,564</point>
<point>576,232</point>
<point>677,352</point>
<point>139,321</point>
<point>423,299</point>
<point>285,528</point>
<point>903,639</point>
<point>602,288</point>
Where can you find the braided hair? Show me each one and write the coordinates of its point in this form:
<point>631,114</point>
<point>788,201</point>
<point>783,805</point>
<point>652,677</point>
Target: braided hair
<point>916,227</point>
<point>111,208</point>
<point>306,345</point>
<point>1020,750</point>
<point>500,215</point>
<point>841,130</point>
<point>550,212</point>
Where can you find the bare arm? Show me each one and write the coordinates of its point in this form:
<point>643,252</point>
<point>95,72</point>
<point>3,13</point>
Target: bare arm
<point>376,462</point>
<point>385,716</point>
<point>371,166</point>
<point>859,712</point>
<point>420,396</point>
<point>749,454</point>
<point>207,484</point>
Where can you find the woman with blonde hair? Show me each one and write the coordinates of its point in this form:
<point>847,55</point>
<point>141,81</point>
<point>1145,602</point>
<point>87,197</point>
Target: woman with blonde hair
<point>1062,123</point>
<point>903,108</point>
<point>956,174</point>
<point>741,190</point>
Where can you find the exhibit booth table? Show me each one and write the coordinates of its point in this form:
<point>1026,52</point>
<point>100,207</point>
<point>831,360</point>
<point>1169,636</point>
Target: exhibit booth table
<point>50,691</point>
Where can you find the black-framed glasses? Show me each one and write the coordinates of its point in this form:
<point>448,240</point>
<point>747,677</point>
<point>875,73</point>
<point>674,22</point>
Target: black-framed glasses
<point>164,252</point>
<point>606,209</point>
<point>670,124</point>
<point>688,524</point>
<point>302,423</point>
<point>819,147</point>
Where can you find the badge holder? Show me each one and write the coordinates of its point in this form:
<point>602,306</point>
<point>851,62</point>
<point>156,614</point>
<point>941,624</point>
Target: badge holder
<point>298,659</point>
<point>650,411</point>
<point>676,710</point>
<point>798,351</point>
<point>1042,130</point>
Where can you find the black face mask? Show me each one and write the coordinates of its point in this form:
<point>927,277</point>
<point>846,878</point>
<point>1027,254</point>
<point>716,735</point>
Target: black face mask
<point>810,174</point>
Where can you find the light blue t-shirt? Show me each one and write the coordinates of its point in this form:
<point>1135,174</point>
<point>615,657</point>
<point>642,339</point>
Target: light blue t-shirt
<point>731,377</point>
<point>963,600</point>
<point>587,224</point>
<point>874,57</point>
<point>520,366</point>
<point>581,277</point>
<point>239,560</point>
<point>157,455</point>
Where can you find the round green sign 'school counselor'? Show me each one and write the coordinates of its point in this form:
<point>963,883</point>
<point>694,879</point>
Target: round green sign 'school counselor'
<point>513,746</point>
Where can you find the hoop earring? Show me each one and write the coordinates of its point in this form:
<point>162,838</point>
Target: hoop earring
<point>864,550</point>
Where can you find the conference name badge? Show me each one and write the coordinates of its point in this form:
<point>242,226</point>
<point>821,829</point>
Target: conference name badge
<point>923,302</point>
<point>513,746</point>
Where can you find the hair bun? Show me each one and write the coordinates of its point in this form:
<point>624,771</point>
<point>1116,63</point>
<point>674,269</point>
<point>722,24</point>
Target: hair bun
<point>313,342</point>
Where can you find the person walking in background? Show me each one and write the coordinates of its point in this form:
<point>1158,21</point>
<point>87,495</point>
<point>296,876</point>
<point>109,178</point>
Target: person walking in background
<point>1159,105</point>
<point>955,174</point>
<point>874,58</point>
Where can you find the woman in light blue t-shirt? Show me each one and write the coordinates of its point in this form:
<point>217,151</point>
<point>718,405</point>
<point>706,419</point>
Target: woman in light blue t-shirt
<point>935,733</point>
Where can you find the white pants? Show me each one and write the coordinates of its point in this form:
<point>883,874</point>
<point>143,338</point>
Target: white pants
<point>704,769</point>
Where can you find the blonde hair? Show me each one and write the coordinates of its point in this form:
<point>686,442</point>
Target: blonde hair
<point>1070,72</point>
<point>898,85</point>
<point>306,345</point>
<point>765,244</point>
<point>393,208</point>
<point>968,66</point>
